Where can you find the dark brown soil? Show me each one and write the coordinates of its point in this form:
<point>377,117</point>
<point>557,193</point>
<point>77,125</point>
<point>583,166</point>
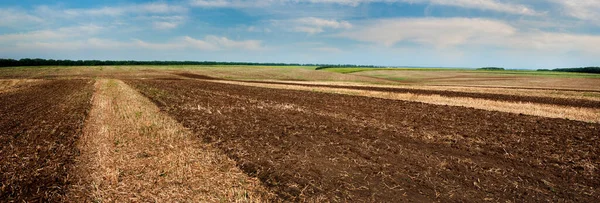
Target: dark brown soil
<point>309,146</point>
<point>523,88</point>
<point>39,126</point>
<point>196,76</point>
<point>488,96</point>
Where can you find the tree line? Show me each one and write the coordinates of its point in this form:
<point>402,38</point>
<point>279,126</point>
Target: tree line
<point>51,62</point>
<point>575,70</point>
<point>490,68</point>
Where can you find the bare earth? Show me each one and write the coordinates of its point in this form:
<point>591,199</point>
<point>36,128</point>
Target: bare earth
<point>278,134</point>
<point>322,147</point>
<point>131,152</point>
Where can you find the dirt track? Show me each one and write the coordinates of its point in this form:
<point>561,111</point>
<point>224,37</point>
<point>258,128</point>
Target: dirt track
<point>315,146</point>
<point>39,127</point>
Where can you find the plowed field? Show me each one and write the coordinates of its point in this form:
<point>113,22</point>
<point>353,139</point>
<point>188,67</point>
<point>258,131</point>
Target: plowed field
<point>39,126</point>
<point>495,97</point>
<point>309,146</point>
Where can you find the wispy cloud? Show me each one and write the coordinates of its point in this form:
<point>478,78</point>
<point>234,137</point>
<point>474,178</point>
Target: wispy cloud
<point>312,25</point>
<point>588,10</point>
<point>60,33</point>
<point>491,5</point>
<point>440,32</point>
<point>16,17</point>
<point>161,16</point>
<point>470,32</point>
<point>328,49</point>
<point>162,25</point>
<point>232,44</point>
<point>61,40</point>
<point>165,22</point>
<point>481,29</point>
<point>233,3</point>
<point>147,8</point>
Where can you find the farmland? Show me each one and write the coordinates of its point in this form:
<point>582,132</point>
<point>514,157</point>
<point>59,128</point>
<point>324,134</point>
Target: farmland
<point>255,134</point>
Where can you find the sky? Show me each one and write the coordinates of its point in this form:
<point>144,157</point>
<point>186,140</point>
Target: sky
<point>515,34</point>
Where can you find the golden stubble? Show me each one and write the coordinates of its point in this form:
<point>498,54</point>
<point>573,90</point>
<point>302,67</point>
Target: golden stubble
<point>543,110</point>
<point>8,85</point>
<point>503,90</point>
<point>131,152</point>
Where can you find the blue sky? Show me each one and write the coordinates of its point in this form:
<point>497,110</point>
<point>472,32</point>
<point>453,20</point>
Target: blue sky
<point>438,33</point>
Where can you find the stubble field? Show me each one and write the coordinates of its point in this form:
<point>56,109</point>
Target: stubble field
<point>164,133</point>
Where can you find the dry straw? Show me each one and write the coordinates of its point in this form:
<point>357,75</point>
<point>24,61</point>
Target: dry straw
<point>543,110</point>
<point>132,152</point>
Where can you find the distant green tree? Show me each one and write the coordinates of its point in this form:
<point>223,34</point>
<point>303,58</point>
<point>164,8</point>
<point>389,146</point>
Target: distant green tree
<point>595,70</point>
<point>490,68</point>
<point>51,62</point>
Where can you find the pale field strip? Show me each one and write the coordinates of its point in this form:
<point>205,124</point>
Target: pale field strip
<point>534,109</point>
<point>565,94</point>
<point>131,152</point>
<point>7,85</point>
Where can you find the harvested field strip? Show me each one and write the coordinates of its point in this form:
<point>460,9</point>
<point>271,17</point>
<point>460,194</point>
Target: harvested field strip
<point>522,88</point>
<point>132,152</point>
<point>550,111</point>
<point>14,84</point>
<point>309,146</point>
<point>40,125</point>
<point>494,97</point>
<point>563,94</point>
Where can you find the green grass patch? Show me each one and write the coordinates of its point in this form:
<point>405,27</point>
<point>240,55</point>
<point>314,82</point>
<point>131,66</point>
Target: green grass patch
<point>543,73</point>
<point>355,70</point>
<point>504,72</point>
<point>591,94</point>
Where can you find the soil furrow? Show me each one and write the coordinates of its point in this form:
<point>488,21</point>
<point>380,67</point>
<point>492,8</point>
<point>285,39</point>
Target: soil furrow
<point>490,96</point>
<point>494,97</point>
<point>40,125</point>
<point>302,145</point>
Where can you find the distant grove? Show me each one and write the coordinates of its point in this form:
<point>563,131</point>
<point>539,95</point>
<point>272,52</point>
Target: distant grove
<point>51,62</point>
<point>576,70</point>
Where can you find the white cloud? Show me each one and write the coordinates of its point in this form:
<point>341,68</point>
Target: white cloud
<point>556,42</point>
<point>14,17</point>
<point>61,33</point>
<point>309,30</point>
<point>449,33</point>
<point>160,16</point>
<point>199,44</point>
<point>155,46</point>
<point>234,3</point>
<point>164,25</point>
<point>580,9</point>
<point>312,25</point>
<point>256,29</point>
<point>53,40</point>
<point>232,44</point>
<point>165,22</point>
<point>438,32</point>
<point>318,22</point>
<point>209,43</point>
<point>328,49</point>
<point>148,8</point>
<point>212,3</point>
<point>159,8</point>
<point>493,5</point>
<point>94,43</point>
